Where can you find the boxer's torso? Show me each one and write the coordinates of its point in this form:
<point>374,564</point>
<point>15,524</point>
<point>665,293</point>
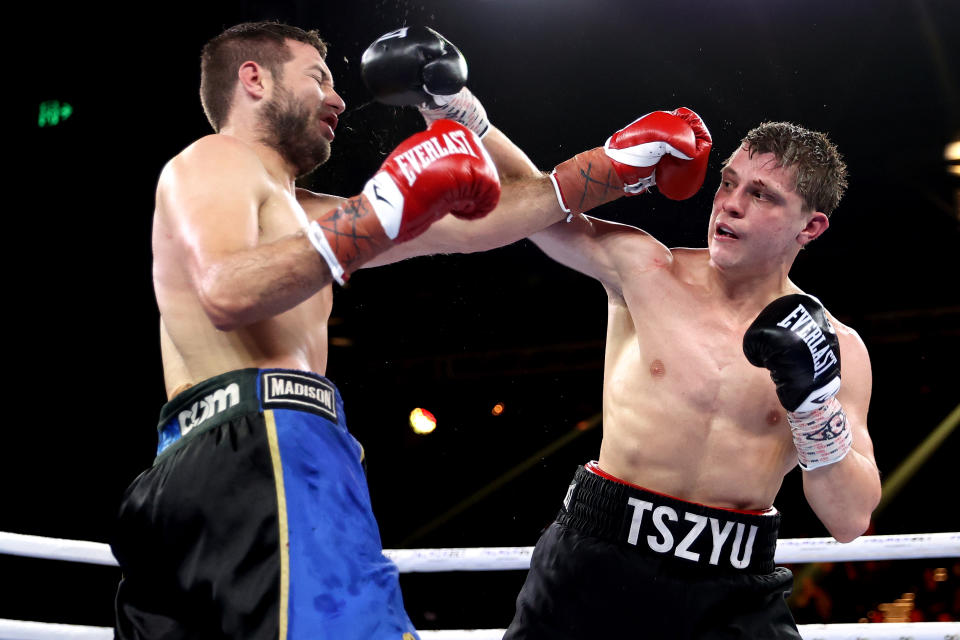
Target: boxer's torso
<point>193,349</point>
<point>684,412</point>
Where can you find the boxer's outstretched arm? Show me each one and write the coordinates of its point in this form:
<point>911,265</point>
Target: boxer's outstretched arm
<point>528,203</point>
<point>668,149</point>
<point>845,493</point>
<point>210,196</point>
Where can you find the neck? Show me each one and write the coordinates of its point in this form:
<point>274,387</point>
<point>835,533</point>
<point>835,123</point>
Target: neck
<point>750,289</point>
<point>273,161</point>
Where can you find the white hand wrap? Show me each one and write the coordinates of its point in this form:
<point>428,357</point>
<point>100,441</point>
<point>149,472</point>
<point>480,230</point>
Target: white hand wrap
<point>462,107</point>
<point>821,436</point>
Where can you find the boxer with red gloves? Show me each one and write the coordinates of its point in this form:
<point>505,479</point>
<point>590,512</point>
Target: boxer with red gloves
<point>255,521</point>
<point>444,169</point>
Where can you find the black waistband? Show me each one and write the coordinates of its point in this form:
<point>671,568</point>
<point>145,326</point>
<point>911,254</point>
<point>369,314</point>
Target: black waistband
<point>245,391</point>
<point>661,526</point>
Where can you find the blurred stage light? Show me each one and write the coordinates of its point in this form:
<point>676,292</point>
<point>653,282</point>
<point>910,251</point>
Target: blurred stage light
<point>497,409</point>
<point>952,155</point>
<point>422,421</point>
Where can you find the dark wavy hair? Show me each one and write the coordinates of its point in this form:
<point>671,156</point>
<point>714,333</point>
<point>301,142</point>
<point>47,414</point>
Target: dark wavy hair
<point>821,174</point>
<point>262,42</point>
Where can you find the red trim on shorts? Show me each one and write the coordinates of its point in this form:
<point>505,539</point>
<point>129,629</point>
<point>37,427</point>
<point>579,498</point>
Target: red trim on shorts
<point>594,467</point>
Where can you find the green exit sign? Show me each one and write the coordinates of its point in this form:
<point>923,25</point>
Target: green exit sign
<point>53,112</point>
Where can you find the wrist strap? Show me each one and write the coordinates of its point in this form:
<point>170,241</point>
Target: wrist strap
<point>821,436</point>
<point>319,241</point>
<point>462,107</point>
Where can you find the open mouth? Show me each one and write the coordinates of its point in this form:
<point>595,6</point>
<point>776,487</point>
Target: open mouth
<point>331,121</point>
<point>723,231</point>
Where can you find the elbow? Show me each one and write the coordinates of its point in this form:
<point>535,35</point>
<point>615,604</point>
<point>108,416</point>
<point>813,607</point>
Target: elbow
<point>851,527</point>
<point>225,309</point>
<point>847,534</point>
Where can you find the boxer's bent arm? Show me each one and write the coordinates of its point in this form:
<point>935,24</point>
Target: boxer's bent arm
<point>845,493</point>
<point>526,205</point>
<point>211,195</point>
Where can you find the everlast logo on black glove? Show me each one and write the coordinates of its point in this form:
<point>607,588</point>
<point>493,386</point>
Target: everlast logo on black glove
<point>802,323</point>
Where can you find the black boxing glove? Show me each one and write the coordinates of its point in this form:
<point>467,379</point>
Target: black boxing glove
<point>793,338</point>
<point>416,66</point>
<point>411,66</point>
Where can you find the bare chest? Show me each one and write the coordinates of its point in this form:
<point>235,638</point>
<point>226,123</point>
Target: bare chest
<point>684,352</point>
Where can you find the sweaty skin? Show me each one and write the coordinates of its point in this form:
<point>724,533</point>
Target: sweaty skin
<point>684,412</point>
<point>709,428</point>
<point>193,348</point>
<point>237,282</point>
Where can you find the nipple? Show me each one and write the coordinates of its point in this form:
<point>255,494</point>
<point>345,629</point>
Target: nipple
<point>657,369</point>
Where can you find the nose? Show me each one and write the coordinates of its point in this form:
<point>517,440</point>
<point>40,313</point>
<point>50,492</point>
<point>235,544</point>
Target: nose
<point>333,100</point>
<point>732,203</point>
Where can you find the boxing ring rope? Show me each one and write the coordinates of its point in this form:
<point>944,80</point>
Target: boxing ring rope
<point>789,551</point>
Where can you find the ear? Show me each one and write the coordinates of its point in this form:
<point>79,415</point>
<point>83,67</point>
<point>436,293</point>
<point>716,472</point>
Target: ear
<point>816,225</point>
<point>254,79</point>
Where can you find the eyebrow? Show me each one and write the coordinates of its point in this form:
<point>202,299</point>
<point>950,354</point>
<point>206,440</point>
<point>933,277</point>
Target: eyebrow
<point>772,190</point>
<point>324,74</point>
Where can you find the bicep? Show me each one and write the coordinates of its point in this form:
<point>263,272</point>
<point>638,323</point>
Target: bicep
<point>211,209</point>
<point>856,388</point>
<point>602,250</point>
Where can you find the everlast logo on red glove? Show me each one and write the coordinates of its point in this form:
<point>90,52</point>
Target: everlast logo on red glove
<point>803,324</point>
<point>412,162</point>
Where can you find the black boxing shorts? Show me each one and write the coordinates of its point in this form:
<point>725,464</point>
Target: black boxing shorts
<point>624,562</point>
<point>254,521</point>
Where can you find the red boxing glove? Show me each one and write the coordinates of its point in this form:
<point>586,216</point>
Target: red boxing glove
<point>628,162</point>
<point>680,179</point>
<point>440,170</point>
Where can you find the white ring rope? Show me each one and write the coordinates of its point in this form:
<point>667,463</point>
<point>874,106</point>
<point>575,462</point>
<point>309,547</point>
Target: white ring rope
<point>17,630</point>
<point>789,551</point>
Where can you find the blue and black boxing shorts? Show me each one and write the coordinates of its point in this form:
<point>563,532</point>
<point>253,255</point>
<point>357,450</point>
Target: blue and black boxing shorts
<point>623,562</point>
<point>254,521</point>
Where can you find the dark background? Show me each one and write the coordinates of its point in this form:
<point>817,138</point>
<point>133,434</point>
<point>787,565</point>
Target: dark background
<point>456,334</point>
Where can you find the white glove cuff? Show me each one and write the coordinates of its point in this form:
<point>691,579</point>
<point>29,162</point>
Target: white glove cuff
<point>387,202</point>
<point>319,241</point>
<point>821,436</point>
<point>462,107</point>
<point>556,190</point>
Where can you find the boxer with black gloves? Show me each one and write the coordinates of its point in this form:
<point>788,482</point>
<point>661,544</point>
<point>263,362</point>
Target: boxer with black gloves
<point>793,338</point>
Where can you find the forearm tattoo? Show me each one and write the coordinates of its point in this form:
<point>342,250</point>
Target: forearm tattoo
<point>354,232</point>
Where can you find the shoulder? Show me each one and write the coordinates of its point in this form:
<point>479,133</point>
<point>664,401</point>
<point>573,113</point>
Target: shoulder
<point>215,154</point>
<point>850,341</point>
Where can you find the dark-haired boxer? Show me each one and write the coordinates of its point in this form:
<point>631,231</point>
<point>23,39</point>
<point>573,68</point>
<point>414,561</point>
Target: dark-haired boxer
<point>254,520</point>
<point>671,532</point>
